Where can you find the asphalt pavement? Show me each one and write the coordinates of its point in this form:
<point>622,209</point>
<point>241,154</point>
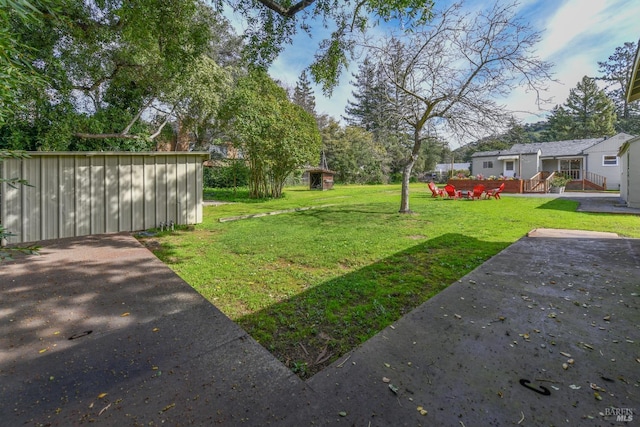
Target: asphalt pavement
<point>97,330</point>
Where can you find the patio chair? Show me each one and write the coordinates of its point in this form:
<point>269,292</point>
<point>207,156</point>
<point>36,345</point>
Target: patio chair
<point>476,193</point>
<point>451,191</point>
<point>435,191</point>
<point>495,192</point>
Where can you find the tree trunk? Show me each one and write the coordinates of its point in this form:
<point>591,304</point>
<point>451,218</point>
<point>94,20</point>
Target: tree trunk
<point>406,172</point>
<point>182,143</point>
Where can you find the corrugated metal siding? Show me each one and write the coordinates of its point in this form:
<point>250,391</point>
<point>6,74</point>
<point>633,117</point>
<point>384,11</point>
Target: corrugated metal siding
<point>77,194</point>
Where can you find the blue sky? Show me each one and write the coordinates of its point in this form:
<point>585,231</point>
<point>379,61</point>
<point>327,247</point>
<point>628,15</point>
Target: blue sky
<point>576,34</point>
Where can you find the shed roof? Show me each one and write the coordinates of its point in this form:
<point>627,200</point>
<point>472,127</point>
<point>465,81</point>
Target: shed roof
<point>633,91</point>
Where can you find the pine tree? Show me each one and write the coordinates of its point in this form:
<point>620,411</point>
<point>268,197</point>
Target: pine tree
<point>591,110</point>
<point>361,111</point>
<point>560,125</point>
<point>303,94</point>
<point>617,72</point>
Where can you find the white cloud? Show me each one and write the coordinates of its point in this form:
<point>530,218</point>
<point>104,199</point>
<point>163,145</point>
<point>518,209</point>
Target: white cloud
<point>576,34</point>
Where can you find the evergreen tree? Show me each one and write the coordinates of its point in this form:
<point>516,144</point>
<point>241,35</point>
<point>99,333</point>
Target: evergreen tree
<point>303,94</point>
<point>592,112</point>
<point>617,72</point>
<point>560,125</point>
<point>367,109</point>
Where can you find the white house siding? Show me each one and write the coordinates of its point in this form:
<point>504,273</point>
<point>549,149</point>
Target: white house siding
<point>630,174</point>
<point>529,165</point>
<point>478,167</point>
<point>595,159</point>
<point>82,193</point>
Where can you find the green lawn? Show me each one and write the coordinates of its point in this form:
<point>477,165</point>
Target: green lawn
<point>313,284</point>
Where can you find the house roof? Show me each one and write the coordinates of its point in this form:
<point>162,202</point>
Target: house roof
<point>573,147</point>
<point>633,91</point>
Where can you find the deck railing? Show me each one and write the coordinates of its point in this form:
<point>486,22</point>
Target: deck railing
<point>539,183</point>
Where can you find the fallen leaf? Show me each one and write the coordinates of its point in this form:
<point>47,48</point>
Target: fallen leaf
<point>166,408</point>
<point>575,387</point>
<point>386,380</point>
<point>570,361</point>
<point>457,316</point>
<point>101,395</point>
<point>43,350</point>
<point>597,395</point>
<point>422,410</point>
<point>393,388</point>
<point>607,317</point>
<point>342,413</point>
<point>387,365</point>
<point>565,366</point>
<point>155,329</point>
<point>565,354</point>
<point>125,314</point>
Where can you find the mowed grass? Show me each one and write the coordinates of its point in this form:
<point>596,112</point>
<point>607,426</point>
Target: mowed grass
<point>313,284</point>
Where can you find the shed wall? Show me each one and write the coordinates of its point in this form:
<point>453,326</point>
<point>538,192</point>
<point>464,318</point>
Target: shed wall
<point>76,194</point>
<point>630,192</point>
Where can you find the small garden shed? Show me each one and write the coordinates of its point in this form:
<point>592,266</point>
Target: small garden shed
<point>321,178</point>
<point>82,193</point>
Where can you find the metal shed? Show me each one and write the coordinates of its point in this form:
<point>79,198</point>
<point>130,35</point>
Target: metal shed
<point>83,193</point>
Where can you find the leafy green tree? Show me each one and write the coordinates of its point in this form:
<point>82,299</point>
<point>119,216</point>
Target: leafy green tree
<point>106,66</point>
<point>273,23</point>
<point>592,112</point>
<point>16,59</point>
<point>274,135</point>
<point>353,153</point>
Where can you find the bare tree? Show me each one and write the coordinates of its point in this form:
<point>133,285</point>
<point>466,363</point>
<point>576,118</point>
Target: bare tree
<point>449,73</point>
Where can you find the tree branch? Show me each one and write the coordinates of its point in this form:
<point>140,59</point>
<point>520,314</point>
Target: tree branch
<point>287,12</point>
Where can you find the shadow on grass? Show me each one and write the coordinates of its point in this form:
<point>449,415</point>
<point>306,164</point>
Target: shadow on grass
<point>314,328</point>
<point>560,204</point>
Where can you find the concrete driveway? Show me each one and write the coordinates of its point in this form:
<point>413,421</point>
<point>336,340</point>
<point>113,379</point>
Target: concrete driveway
<point>547,332</point>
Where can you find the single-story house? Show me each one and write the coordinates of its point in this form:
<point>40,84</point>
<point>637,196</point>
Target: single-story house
<point>593,161</point>
<point>630,151</point>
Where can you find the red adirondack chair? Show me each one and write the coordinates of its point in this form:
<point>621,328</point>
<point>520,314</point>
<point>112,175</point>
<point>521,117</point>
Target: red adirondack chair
<point>495,192</point>
<point>451,191</point>
<point>477,192</point>
<point>435,191</point>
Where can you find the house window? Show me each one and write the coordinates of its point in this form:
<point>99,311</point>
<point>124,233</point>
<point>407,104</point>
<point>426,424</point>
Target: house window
<point>508,166</point>
<point>487,165</point>
<point>609,160</point>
